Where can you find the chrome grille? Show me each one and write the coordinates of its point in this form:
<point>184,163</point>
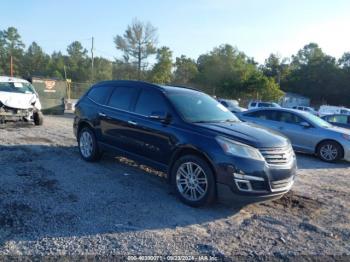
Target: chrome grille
<point>278,155</point>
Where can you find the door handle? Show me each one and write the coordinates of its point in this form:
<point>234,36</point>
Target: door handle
<point>132,123</point>
<point>102,114</point>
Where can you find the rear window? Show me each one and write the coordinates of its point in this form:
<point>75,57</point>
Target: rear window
<point>122,97</point>
<point>100,94</point>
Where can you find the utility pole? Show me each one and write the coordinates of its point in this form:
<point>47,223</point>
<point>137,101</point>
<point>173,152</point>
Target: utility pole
<point>11,66</point>
<point>65,72</point>
<point>92,59</point>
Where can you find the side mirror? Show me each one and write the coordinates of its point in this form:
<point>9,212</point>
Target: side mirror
<point>305,124</point>
<point>161,117</point>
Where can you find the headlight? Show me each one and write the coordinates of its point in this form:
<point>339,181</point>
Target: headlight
<point>238,149</point>
<point>345,136</point>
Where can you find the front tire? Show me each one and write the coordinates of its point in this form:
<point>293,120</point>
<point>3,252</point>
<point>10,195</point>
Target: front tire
<point>193,181</point>
<point>38,118</point>
<point>88,146</point>
<point>329,151</point>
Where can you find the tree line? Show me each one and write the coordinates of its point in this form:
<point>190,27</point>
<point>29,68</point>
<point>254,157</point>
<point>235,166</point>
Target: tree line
<point>225,71</point>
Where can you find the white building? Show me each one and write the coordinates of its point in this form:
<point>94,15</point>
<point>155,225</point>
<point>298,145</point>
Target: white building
<point>292,99</point>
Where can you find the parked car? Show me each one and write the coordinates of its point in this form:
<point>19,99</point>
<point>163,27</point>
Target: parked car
<point>308,133</point>
<point>338,120</point>
<point>205,149</point>
<point>331,110</point>
<point>254,104</point>
<point>307,109</point>
<point>19,101</point>
<point>232,105</point>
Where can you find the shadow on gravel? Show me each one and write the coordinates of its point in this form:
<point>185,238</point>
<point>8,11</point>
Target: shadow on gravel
<point>311,162</point>
<point>12,126</point>
<point>48,191</point>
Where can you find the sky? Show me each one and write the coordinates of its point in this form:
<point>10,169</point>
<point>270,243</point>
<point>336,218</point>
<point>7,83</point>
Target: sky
<point>189,27</point>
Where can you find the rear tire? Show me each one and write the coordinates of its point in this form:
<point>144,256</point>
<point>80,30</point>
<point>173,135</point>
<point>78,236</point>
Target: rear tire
<point>38,118</point>
<point>193,181</point>
<point>330,151</point>
<point>88,146</point>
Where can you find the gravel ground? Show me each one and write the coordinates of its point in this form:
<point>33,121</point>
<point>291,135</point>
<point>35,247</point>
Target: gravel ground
<point>54,203</point>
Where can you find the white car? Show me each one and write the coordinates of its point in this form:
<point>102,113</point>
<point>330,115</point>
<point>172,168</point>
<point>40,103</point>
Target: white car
<point>307,109</point>
<point>332,110</point>
<point>19,101</point>
<point>255,104</point>
<point>232,105</point>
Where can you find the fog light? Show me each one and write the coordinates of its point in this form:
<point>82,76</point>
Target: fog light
<point>246,177</point>
<point>243,185</point>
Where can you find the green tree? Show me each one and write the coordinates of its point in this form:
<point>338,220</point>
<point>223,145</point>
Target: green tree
<point>344,61</point>
<point>313,74</point>
<point>185,70</point>
<point>3,54</point>
<point>57,65</point>
<point>138,42</point>
<point>161,72</point>
<point>79,66</point>
<point>227,72</point>
<point>13,46</point>
<point>124,70</point>
<point>276,68</point>
<point>102,69</point>
<point>35,61</point>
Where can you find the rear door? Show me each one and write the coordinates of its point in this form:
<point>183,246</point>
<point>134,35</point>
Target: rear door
<point>115,118</point>
<point>302,138</point>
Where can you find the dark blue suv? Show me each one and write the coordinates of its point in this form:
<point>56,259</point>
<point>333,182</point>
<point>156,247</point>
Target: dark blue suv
<point>204,149</point>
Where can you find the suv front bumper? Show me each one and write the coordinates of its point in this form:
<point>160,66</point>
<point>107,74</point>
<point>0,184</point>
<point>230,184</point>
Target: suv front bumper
<point>254,181</point>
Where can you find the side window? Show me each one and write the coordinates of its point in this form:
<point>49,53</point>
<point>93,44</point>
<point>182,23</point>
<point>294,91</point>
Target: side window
<point>289,118</point>
<point>264,115</point>
<point>100,94</point>
<point>253,104</point>
<point>150,102</point>
<point>122,97</point>
<point>339,119</point>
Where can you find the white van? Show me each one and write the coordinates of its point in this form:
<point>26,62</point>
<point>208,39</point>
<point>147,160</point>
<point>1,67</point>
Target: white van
<point>331,110</point>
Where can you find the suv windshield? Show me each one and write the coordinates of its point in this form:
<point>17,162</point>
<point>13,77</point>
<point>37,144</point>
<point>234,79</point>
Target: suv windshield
<point>197,107</point>
<point>16,87</point>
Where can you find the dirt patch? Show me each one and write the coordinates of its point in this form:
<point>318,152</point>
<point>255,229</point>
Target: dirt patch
<point>14,215</point>
<point>296,203</point>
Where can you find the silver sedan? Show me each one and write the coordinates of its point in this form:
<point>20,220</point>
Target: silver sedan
<point>307,133</point>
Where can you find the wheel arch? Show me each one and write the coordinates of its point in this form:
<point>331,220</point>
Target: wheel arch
<point>83,124</point>
<point>188,150</point>
<point>329,140</point>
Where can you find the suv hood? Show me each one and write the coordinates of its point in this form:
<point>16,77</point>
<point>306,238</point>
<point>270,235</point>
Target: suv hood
<point>19,100</point>
<point>248,133</point>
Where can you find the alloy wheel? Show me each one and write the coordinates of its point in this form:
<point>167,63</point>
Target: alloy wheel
<point>86,144</point>
<point>191,181</point>
<point>329,152</point>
